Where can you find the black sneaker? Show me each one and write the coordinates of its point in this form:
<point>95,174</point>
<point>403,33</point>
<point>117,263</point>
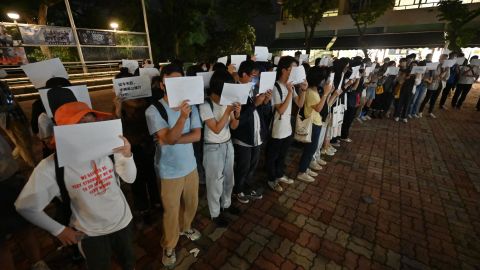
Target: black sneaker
<point>232,210</point>
<point>253,195</point>
<point>242,198</point>
<point>220,221</point>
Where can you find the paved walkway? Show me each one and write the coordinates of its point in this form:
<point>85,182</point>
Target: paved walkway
<point>423,177</point>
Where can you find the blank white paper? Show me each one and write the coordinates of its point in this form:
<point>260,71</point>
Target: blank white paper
<point>234,92</point>
<point>40,72</point>
<point>183,88</point>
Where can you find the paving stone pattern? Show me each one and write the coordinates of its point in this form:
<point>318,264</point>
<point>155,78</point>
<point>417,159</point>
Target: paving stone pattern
<point>423,177</point>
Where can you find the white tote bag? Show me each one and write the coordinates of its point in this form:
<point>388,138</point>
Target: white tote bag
<point>303,129</point>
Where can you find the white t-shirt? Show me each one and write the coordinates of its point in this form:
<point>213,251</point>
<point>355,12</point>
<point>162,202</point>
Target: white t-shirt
<point>45,126</point>
<point>98,204</point>
<point>282,127</point>
<point>218,111</point>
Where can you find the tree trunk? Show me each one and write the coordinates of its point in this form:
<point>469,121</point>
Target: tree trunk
<point>42,20</point>
<point>361,41</point>
<point>306,34</point>
<point>310,38</point>
<point>177,46</point>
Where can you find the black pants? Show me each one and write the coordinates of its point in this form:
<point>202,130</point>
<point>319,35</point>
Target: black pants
<point>430,97</point>
<point>246,161</point>
<point>144,189</point>
<point>449,87</point>
<point>401,104</point>
<point>348,117</point>
<point>460,95</point>
<point>277,150</point>
<point>388,99</point>
<point>478,104</point>
<point>198,152</point>
<point>98,250</point>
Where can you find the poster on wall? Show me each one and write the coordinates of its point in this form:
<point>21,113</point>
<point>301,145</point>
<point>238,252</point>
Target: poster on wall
<point>95,37</point>
<point>9,35</point>
<point>46,35</point>
<point>13,56</point>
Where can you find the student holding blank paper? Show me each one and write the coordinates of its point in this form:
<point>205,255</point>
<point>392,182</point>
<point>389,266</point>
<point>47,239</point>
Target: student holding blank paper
<point>218,152</point>
<point>174,131</point>
<point>101,218</point>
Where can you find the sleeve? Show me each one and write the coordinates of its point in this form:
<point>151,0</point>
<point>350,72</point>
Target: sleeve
<point>195,119</point>
<point>40,189</point>
<point>125,168</point>
<point>205,112</point>
<point>155,122</point>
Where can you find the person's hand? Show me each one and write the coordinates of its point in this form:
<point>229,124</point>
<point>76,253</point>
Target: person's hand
<point>327,89</point>
<point>268,96</point>
<point>237,108</point>
<point>185,109</point>
<point>304,85</point>
<point>126,149</point>
<point>229,108</point>
<point>290,87</point>
<point>69,236</point>
<point>259,99</point>
<point>231,69</point>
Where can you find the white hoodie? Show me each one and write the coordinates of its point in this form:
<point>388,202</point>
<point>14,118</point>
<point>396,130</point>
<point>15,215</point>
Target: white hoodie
<point>98,207</point>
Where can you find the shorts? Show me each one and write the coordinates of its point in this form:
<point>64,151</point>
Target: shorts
<point>371,92</point>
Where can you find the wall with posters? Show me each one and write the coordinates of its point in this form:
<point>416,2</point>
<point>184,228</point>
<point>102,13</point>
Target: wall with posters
<point>46,35</point>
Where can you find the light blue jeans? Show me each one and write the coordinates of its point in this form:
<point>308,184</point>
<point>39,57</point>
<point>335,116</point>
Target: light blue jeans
<point>417,99</point>
<point>218,164</point>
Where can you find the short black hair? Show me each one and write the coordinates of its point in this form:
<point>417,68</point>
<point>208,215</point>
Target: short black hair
<point>193,70</point>
<point>171,68</point>
<point>316,75</point>
<point>219,66</point>
<point>285,62</point>
<point>220,77</point>
<point>247,66</point>
<point>57,82</point>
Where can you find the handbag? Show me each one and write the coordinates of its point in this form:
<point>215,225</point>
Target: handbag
<point>379,90</point>
<point>303,128</point>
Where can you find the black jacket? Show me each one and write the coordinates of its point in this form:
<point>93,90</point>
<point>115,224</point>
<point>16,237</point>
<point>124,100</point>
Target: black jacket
<point>246,127</point>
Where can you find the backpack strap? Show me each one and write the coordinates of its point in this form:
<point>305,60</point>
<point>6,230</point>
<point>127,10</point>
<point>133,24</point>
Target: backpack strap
<point>279,90</point>
<point>161,109</point>
<point>60,177</point>
<point>209,101</point>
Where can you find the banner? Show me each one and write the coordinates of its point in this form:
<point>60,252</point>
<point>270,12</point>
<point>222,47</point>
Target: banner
<point>46,35</point>
<point>9,36</point>
<point>13,56</point>
<point>95,37</point>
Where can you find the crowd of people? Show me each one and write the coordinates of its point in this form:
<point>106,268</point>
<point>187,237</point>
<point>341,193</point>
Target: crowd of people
<point>168,152</point>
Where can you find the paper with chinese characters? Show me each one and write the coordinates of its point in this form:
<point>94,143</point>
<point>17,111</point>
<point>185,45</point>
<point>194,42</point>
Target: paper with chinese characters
<point>132,87</point>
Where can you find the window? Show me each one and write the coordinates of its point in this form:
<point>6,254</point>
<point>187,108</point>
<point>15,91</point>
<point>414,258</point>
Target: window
<point>411,4</point>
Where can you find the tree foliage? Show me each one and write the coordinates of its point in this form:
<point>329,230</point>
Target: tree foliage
<point>458,17</point>
<point>365,13</point>
<point>311,13</point>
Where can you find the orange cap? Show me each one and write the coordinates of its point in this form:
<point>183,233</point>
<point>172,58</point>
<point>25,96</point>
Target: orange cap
<point>72,112</point>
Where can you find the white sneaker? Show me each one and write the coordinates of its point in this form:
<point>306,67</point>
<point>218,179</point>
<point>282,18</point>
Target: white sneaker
<point>192,234</point>
<point>405,120</point>
<point>314,166</point>
<point>368,117</point>
<point>305,177</point>
<point>363,118</point>
<point>397,119</point>
<point>40,265</point>
<point>286,180</point>
<point>410,116</point>
<point>275,186</point>
<point>321,162</point>
<point>312,173</point>
<point>169,258</point>
<point>359,120</point>
<point>416,116</point>
<point>333,149</point>
<point>420,115</point>
<point>348,140</point>
<point>327,152</point>
<point>432,115</point>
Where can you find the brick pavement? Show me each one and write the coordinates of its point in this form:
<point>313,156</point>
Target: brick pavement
<point>424,178</point>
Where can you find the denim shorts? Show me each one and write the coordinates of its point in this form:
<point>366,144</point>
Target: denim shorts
<point>371,92</point>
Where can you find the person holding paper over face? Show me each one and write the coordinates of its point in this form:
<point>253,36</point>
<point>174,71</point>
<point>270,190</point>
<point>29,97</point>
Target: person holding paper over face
<point>468,76</point>
<point>100,215</point>
<point>418,95</point>
<point>249,136</point>
<point>281,137</point>
<point>218,155</point>
<point>435,78</point>
<point>389,83</point>
<point>174,131</point>
<point>451,82</point>
<point>406,91</point>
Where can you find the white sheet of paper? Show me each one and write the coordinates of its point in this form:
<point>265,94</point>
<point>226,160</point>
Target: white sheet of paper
<point>132,87</point>
<point>460,60</point>
<point>222,60</point>
<point>392,71</point>
<point>183,88</point>
<point>418,70</point>
<point>206,78</point>
<point>368,70</point>
<point>297,75</point>
<point>374,65</point>
<point>261,53</point>
<point>324,61</point>
<point>475,62</point>
<point>270,56</point>
<point>132,65</point>
<point>432,66</point>
<point>79,91</point>
<point>150,72</point>
<point>276,59</point>
<point>267,81</point>
<point>303,58</point>
<point>40,72</point>
<point>234,92</point>
<point>84,142</point>
<point>236,60</point>
<point>355,73</point>
<point>449,63</point>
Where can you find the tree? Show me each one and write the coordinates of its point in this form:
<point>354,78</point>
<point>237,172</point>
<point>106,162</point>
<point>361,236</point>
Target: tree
<point>311,13</point>
<point>365,13</point>
<point>458,17</point>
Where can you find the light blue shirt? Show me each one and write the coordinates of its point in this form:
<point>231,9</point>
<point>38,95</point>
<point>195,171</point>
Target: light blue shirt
<point>178,160</point>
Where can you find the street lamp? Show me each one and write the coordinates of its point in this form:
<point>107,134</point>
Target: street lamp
<point>14,16</point>
<point>114,25</point>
